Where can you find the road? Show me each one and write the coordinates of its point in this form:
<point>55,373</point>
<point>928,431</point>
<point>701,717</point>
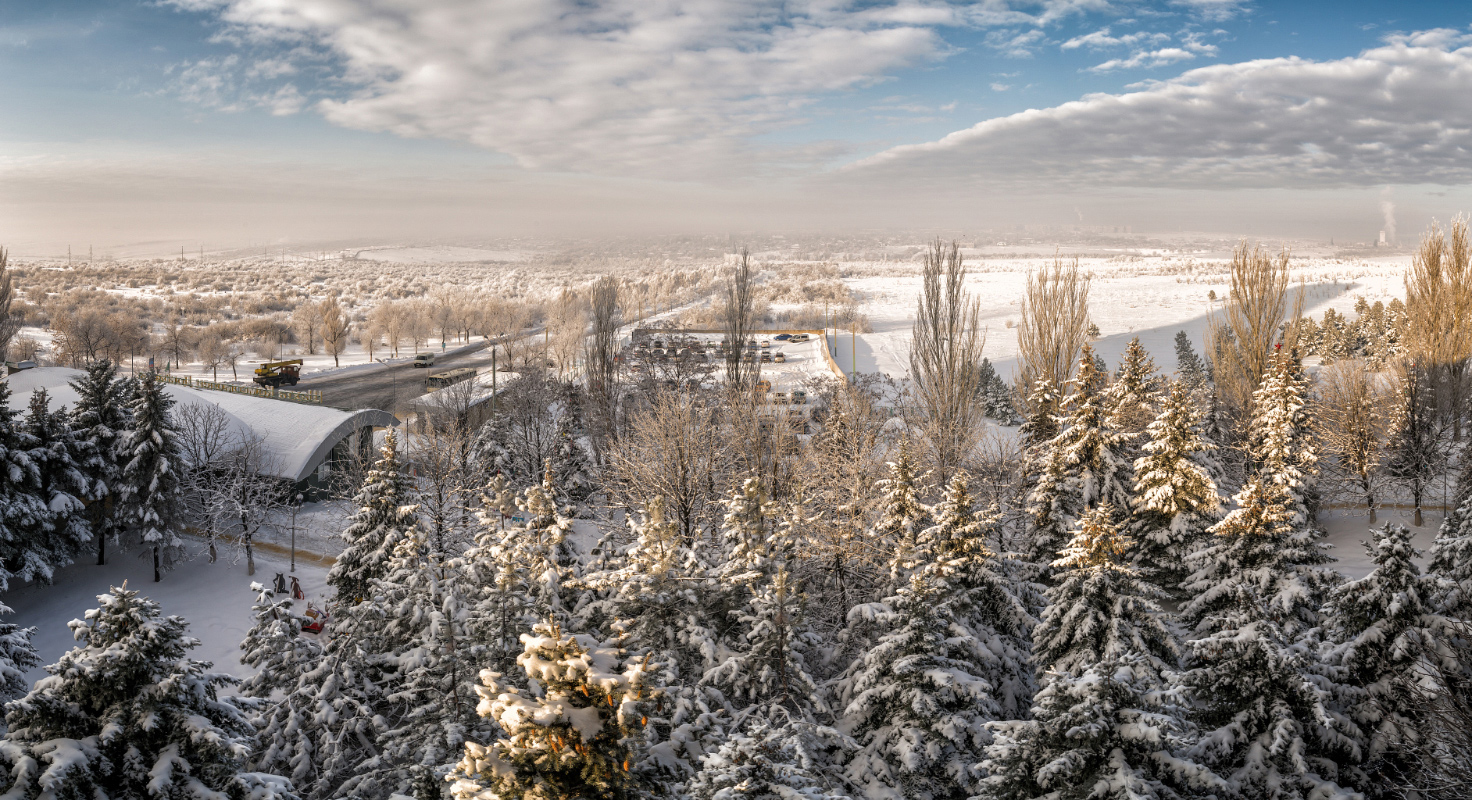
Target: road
<point>390,388</point>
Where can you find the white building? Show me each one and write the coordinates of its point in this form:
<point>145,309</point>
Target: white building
<point>301,440</point>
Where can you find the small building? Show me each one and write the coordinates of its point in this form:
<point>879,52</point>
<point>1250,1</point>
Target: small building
<point>302,441</point>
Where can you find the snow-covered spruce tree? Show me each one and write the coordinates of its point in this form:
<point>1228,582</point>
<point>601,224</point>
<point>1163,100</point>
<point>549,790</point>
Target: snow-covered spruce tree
<point>64,529</point>
<point>1100,609</point>
<point>952,656</point>
<point>901,515</point>
<point>1282,438</point>
<point>23,514</point>
<point>765,763</point>
<point>149,491</point>
<point>417,637</point>
<point>917,703</point>
<point>275,647</point>
<point>544,545</point>
<point>657,593</point>
<point>572,466</point>
<point>1415,448</point>
<point>386,513</point>
<point>1176,498</point>
<point>1132,393</point>
<point>1189,365</point>
<point>128,714</point>
<point>1451,555</point>
<point>17,655</point>
<point>1387,637</point>
<point>1087,464</point>
<point>576,734</point>
<point>1041,423</point>
<point>1263,696</point>
<point>496,579</point>
<point>1109,733</point>
<point>100,419</point>
<point>997,395</point>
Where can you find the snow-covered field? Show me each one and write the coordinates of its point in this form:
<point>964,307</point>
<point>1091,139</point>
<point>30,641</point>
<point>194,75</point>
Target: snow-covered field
<point>215,598</point>
<point>1125,300</point>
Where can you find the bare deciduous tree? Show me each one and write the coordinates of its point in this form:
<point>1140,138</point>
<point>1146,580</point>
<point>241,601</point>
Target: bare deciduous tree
<point>945,359</point>
<point>1241,341</point>
<point>738,317</point>
<point>334,328</point>
<point>1052,329</point>
<point>1353,421</point>
<point>9,324</point>
<point>670,449</point>
<point>602,361</point>
<point>1439,316</point>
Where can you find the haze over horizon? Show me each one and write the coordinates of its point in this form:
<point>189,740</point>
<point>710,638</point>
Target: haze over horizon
<point>228,123</point>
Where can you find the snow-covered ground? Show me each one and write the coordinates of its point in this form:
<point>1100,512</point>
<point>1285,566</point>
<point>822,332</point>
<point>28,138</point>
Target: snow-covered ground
<point>1142,298</point>
<point>215,598</point>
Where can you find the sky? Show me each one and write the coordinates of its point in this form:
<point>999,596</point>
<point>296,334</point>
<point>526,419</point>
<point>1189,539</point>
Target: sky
<point>225,123</point>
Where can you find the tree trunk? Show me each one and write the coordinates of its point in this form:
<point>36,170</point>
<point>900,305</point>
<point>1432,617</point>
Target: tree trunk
<point>101,548</point>
<point>157,576</point>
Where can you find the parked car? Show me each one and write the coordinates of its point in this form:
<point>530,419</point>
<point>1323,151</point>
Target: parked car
<point>782,337</point>
<point>799,397</point>
<point>766,344</point>
<point>766,358</point>
<point>800,337</point>
<point>779,357</point>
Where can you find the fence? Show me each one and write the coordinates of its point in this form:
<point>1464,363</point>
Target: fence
<point>309,396</point>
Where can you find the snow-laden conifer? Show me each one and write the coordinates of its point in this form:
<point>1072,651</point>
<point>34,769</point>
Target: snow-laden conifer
<point>657,592</point>
<point>1176,498</point>
<point>61,485</point>
<point>1265,700</point>
<point>768,763</point>
<point>417,636</point>
<point>576,733</point>
<point>1387,638</point>
<point>149,490</point>
<point>1099,608</point>
<point>902,516</point>
<point>23,514</point>
<point>17,655</point>
<point>951,656</point>
<point>280,654</point>
<point>1109,733</point>
<point>1132,394</point>
<point>385,514</point>
<point>100,419</point>
<point>127,713</point>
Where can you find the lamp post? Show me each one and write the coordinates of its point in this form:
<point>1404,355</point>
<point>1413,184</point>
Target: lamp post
<point>296,508</point>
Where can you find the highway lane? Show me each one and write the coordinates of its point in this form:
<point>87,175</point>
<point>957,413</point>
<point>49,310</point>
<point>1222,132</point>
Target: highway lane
<point>392,387</point>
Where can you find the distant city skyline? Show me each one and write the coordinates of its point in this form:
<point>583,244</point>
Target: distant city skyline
<point>226,123</point>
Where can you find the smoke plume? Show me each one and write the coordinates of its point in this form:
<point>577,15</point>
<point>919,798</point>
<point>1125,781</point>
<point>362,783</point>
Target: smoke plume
<point>1387,208</point>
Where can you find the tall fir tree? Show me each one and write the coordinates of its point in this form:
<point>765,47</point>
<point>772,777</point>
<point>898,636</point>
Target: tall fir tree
<point>418,638</point>
<point>17,655</point>
<point>1189,366</point>
<point>952,656</point>
<point>1132,394</point>
<point>127,713</point>
<point>100,420</point>
<point>769,763</point>
<point>149,487</point>
<point>902,516</point>
<point>577,734</point>
<point>1088,464</point>
<point>1387,638</point>
<point>1110,733</point>
<point>386,513</point>
<point>280,655</point>
<point>1100,609</point>
<point>1265,699</point>
<point>23,513</point>
<point>62,486</point>
<point>1176,498</point>
<point>657,593</point>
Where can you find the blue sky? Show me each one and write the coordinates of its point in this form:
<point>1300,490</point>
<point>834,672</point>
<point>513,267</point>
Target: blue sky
<point>250,120</point>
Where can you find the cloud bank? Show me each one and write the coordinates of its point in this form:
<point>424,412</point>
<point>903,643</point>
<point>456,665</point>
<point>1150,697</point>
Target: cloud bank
<point>1395,114</point>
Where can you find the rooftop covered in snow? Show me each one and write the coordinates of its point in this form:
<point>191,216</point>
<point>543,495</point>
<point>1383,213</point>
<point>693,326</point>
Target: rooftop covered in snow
<point>298,437</point>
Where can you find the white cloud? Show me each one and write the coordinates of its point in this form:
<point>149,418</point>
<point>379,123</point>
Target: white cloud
<point>1394,114</point>
<point>641,87</point>
<point>1145,58</point>
<point>1101,39</point>
<point>1013,44</point>
<point>1214,10</point>
<point>1001,87</point>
